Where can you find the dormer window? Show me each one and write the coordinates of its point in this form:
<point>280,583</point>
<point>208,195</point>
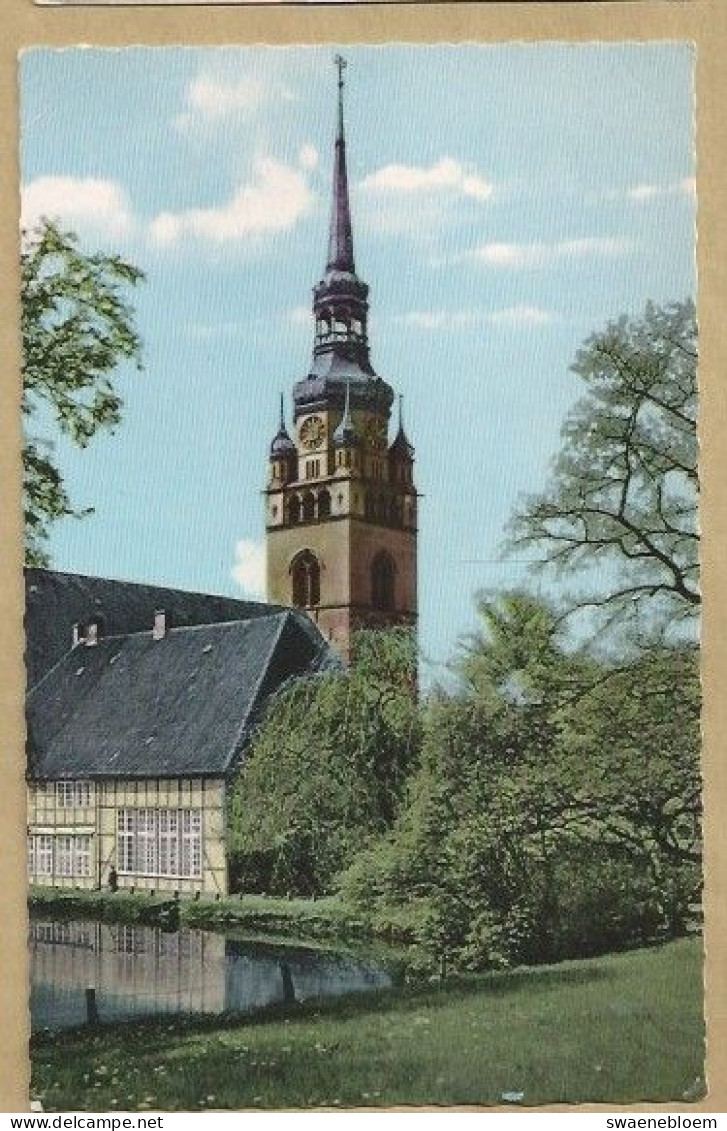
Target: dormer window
<point>92,634</point>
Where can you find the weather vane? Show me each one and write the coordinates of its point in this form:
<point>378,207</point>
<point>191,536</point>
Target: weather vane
<point>340,62</point>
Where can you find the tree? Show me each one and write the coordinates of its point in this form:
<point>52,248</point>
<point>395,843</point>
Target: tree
<point>76,327</point>
<point>327,768</point>
<point>550,784</point>
<point>624,491</point>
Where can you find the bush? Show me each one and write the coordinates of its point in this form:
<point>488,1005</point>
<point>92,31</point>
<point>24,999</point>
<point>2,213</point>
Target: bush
<point>111,907</point>
<point>321,918</point>
<point>473,916</point>
<point>612,901</point>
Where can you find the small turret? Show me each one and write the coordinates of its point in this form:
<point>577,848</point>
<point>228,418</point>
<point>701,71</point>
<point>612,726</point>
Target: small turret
<point>345,440</point>
<point>283,452</point>
<point>401,455</point>
<point>401,448</point>
<point>345,435</point>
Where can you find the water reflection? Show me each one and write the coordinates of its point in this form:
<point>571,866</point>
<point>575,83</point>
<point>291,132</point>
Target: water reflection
<point>137,971</point>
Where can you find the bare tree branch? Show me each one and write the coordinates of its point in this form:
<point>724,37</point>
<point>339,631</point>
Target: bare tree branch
<point>624,485</point>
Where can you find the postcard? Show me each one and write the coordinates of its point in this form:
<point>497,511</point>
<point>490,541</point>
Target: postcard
<point>362,594</point>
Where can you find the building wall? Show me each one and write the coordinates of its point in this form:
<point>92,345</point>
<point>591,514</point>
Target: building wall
<point>94,821</point>
<point>367,540</point>
<point>329,541</point>
<point>345,548</point>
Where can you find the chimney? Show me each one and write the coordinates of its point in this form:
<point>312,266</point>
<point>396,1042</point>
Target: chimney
<point>77,637</point>
<point>91,637</point>
<point>159,631</point>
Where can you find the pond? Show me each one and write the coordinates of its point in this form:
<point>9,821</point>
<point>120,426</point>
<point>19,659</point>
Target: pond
<point>142,971</point>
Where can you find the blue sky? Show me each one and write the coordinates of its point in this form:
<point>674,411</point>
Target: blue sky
<point>507,201</point>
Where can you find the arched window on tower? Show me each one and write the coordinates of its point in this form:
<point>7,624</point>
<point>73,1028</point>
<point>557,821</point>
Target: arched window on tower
<point>294,509</point>
<point>324,504</point>
<point>306,575</point>
<point>309,507</point>
<point>382,582</point>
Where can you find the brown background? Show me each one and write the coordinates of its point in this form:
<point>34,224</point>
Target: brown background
<point>704,21</point>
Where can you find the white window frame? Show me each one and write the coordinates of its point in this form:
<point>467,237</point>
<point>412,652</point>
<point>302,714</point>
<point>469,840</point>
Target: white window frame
<point>159,843</point>
<point>64,855</point>
<point>82,855</point>
<point>168,824</point>
<point>125,840</point>
<point>73,794</point>
<point>40,854</point>
<point>191,845</point>
<point>147,848</point>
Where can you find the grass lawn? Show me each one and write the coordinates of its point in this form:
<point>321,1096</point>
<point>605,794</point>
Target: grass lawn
<point>620,1028</point>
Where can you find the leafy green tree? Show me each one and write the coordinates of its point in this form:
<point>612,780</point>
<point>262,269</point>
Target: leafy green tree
<point>327,769</point>
<point>622,500</point>
<point>547,772</point>
<point>77,327</point>
<point>631,747</point>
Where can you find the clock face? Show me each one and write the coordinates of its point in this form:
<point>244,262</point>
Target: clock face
<point>312,432</point>
<point>375,432</point>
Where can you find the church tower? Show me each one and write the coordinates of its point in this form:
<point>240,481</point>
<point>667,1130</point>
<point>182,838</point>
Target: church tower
<point>341,503</point>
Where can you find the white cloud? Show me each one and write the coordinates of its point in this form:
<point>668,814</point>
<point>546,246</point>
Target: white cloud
<point>640,193</point>
<point>273,201</point>
<point>434,320</point>
<point>540,254</point>
<point>249,568</point>
<point>213,98</point>
<point>209,331</point>
<point>89,203</point>
<point>308,156</point>
<point>427,319</point>
<point>447,175</point>
<point>301,315</point>
<point>520,316</point>
<point>643,192</point>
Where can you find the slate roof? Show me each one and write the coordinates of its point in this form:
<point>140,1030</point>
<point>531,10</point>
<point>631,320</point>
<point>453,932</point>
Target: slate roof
<point>182,706</point>
<point>131,706</point>
<point>55,601</point>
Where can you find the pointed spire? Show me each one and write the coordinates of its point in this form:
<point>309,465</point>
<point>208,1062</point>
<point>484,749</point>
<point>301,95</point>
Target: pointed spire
<point>345,432</point>
<point>340,240</point>
<point>347,422</point>
<point>282,443</point>
<point>401,445</point>
<point>340,299</point>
